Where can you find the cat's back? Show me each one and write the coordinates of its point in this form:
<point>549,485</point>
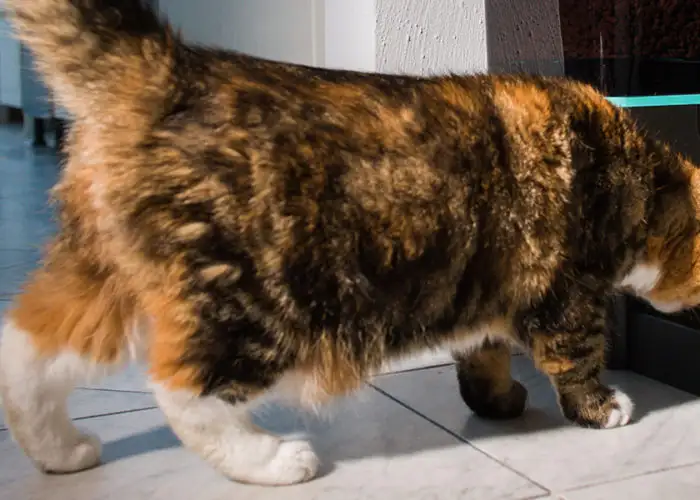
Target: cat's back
<point>347,184</point>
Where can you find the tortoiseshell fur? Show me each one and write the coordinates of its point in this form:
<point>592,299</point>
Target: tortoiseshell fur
<point>270,222</point>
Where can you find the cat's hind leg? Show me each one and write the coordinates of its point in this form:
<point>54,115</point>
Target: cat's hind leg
<point>222,433</point>
<point>66,327</point>
<point>485,381</point>
<point>207,378</point>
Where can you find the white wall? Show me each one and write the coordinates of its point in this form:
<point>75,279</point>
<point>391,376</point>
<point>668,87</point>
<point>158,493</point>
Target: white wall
<point>334,33</point>
<point>350,34</point>
<point>397,36</point>
<point>431,36</point>
<point>285,30</point>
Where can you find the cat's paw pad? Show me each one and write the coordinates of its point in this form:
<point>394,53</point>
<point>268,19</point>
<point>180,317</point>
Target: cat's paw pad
<point>621,412</point>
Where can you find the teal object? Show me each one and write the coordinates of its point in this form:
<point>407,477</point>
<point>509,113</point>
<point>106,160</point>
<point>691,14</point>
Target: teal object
<point>655,101</point>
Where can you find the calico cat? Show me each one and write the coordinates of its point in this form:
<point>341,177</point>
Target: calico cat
<point>253,229</point>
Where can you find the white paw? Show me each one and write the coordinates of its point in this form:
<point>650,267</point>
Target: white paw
<point>294,462</point>
<point>620,416</point>
<point>83,454</point>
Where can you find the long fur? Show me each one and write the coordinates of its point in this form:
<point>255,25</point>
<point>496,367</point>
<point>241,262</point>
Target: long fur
<point>274,227</point>
<point>98,54</point>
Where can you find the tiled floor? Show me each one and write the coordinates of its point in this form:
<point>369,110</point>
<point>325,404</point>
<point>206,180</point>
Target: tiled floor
<point>407,436</point>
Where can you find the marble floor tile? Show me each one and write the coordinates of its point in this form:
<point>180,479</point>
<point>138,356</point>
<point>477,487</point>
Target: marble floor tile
<point>544,446</point>
<point>26,219</point>
<point>12,258</point>
<point>372,449</point>
<point>13,277</point>
<point>26,232</point>
<point>90,403</point>
<point>4,304</point>
<point>428,359</point>
<point>133,378</point>
<point>682,483</point>
<point>424,360</point>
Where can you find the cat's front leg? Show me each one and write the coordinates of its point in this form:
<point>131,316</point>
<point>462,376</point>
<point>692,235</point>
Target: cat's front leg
<point>574,362</point>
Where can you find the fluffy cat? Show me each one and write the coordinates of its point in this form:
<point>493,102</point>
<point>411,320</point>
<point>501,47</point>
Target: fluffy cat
<point>253,228</point>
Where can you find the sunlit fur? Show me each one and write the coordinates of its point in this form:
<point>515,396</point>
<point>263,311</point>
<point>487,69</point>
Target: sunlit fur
<point>262,228</point>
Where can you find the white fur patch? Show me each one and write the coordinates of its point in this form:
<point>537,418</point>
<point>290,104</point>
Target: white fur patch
<point>34,392</point>
<point>475,338</point>
<point>621,416</point>
<point>137,338</point>
<point>224,435</point>
<point>470,342</point>
<point>668,307</point>
<point>642,279</point>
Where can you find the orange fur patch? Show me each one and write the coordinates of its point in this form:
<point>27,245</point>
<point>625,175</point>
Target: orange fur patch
<point>332,370</point>
<point>456,95</point>
<point>522,105</point>
<point>65,307</point>
<point>492,363</point>
<point>173,325</point>
<point>676,247</point>
<point>546,360</point>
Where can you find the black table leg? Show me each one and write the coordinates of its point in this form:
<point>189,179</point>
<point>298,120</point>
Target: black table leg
<point>35,130</point>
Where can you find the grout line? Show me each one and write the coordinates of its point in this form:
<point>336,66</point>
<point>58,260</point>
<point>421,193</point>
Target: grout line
<point>113,413</point>
<point>106,389</point>
<point>100,415</point>
<point>430,367</point>
<point>417,369</point>
<point>633,476</point>
<point>465,441</point>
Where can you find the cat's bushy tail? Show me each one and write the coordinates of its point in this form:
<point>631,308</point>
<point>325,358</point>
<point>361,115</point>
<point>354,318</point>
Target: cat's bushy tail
<point>100,58</point>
